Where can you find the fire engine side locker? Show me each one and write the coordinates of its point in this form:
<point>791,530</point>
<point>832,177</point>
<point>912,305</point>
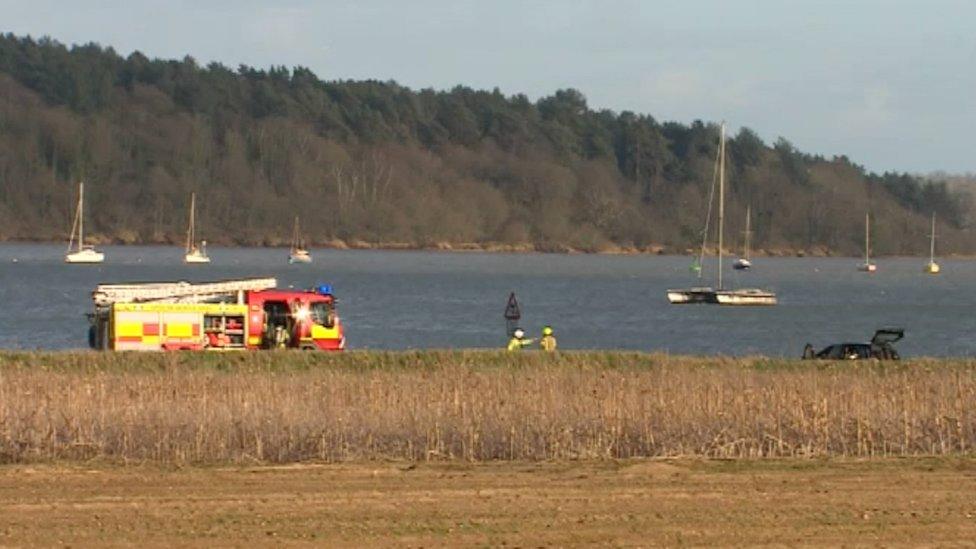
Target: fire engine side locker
<point>177,326</point>
<point>135,330</point>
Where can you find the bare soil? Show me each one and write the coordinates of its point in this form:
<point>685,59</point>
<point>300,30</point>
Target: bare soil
<point>895,502</point>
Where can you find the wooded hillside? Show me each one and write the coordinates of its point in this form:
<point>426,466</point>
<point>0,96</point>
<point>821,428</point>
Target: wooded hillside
<point>375,162</point>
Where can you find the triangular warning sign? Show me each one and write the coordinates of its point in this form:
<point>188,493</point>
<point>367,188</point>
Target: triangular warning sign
<point>512,311</point>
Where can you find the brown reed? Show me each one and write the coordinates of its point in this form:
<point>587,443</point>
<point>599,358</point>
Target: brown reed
<point>474,406</point>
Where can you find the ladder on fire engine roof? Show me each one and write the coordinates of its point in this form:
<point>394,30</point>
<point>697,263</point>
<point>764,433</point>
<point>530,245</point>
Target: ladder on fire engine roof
<point>177,292</point>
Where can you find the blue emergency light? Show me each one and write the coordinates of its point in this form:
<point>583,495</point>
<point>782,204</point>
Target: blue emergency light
<point>324,289</point>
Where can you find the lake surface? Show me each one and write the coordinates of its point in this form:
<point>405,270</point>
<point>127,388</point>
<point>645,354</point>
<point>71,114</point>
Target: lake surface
<point>407,299</point>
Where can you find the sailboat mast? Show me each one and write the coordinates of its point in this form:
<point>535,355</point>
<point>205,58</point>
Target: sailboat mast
<point>294,236</point>
<point>721,201</point>
<point>74,228</point>
<point>189,229</point>
<point>748,229</point>
<point>867,238</point>
<point>81,216</point>
<point>932,244</point>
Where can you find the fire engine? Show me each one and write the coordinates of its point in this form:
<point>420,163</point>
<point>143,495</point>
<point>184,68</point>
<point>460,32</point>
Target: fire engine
<point>221,316</point>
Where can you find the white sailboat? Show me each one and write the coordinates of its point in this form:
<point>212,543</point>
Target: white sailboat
<point>721,296</point>
<point>932,267</point>
<point>298,253</point>
<point>867,266</point>
<point>83,253</point>
<point>194,253</point>
<point>743,263</point>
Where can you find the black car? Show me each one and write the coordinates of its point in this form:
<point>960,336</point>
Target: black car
<point>880,348</point>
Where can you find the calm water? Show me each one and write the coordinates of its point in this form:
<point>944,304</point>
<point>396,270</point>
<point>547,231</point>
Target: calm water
<point>401,300</point>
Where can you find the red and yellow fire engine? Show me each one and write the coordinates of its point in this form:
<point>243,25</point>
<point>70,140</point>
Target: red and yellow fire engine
<point>225,315</point>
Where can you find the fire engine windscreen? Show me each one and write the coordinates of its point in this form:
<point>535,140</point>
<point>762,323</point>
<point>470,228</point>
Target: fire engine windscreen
<point>323,313</point>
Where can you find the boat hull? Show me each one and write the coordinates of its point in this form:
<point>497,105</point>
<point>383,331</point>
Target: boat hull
<point>85,256</point>
<point>749,297</point>
<point>195,258</point>
<point>868,268</point>
<point>299,257</point>
<point>742,265</point>
<point>932,268</point>
<point>692,296</point>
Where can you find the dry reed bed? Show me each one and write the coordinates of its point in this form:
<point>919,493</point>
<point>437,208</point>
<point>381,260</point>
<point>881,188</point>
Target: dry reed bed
<point>288,407</point>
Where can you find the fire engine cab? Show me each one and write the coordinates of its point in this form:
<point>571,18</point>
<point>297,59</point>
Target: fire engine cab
<point>226,315</point>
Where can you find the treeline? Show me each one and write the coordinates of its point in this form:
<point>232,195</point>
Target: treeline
<point>375,162</point>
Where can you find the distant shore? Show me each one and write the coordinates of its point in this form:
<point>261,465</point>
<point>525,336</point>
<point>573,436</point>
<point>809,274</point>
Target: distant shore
<point>487,247</point>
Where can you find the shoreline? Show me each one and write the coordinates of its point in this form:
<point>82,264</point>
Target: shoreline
<point>500,248</point>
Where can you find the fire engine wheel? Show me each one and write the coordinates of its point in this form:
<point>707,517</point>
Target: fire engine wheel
<point>307,347</point>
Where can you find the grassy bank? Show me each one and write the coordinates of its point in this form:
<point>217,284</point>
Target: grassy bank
<point>473,406</point>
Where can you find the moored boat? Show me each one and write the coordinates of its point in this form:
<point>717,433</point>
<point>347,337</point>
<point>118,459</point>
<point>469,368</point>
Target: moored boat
<point>746,296</point>
<point>719,296</point>
<point>81,253</point>
<point>932,267</point>
<point>690,296</point>
<point>298,253</point>
<point>300,256</point>
<point>867,266</point>
<point>85,255</point>
<point>743,263</point>
<point>194,253</point>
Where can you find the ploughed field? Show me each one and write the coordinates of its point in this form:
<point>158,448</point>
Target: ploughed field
<point>900,502</point>
<point>470,447</point>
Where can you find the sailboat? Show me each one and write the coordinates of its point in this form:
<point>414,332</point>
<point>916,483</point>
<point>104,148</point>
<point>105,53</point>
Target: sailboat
<point>932,267</point>
<point>83,253</point>
<point>867,266</point>
<point>194,254</point>
<point>743,263</point>
<point>721,296</point>
<point>701,294</point>
<point>298,253</point>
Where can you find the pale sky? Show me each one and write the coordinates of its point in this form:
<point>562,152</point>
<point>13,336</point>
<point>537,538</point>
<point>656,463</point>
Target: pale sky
<point>889,83</point>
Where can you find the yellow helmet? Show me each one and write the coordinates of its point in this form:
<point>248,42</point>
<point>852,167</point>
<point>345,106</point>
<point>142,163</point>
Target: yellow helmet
<point>547,331</point>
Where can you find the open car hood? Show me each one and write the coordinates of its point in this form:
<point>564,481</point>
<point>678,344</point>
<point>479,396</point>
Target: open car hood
<point>887,336</point>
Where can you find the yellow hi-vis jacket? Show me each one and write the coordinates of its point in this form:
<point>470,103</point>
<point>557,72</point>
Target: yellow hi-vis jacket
<point>548,343</point>
<point>516,344</point>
